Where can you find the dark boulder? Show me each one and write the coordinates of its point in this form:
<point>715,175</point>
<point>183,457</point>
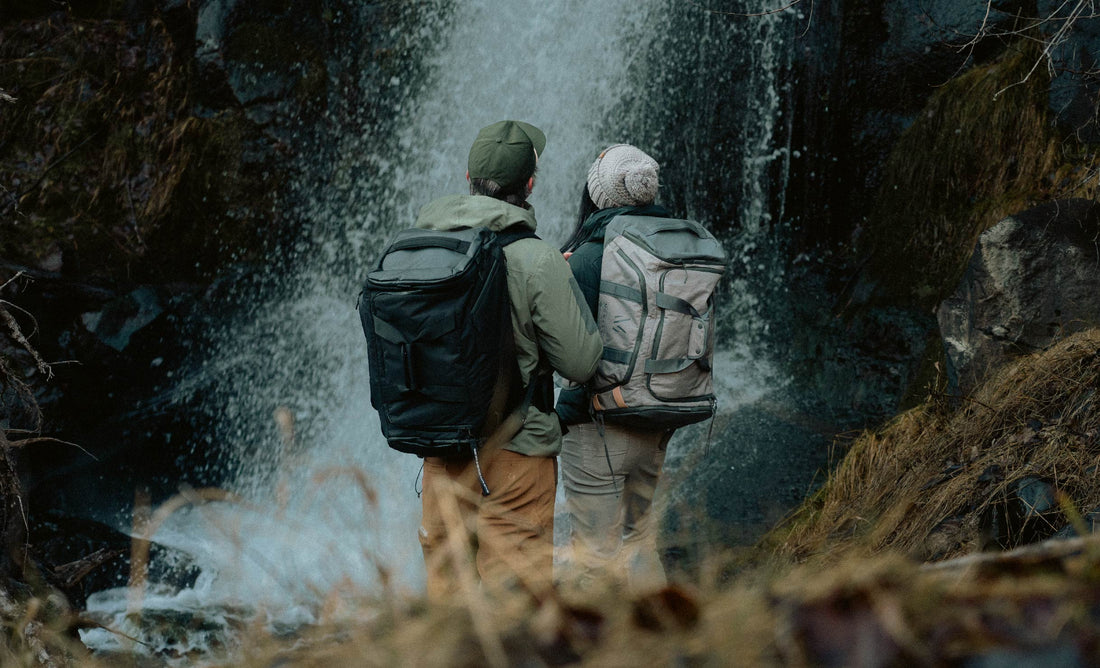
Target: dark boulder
<point>1034,277</point>
<point>267,57</point>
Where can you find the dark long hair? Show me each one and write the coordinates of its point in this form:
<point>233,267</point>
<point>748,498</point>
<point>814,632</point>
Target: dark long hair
<point>587,208</point>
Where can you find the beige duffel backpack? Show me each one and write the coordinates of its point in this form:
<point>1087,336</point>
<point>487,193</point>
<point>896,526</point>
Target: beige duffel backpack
<point>656,318</point>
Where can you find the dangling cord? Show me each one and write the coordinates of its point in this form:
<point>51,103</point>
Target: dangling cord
<point>480,478</point>
<point>417,487</point>
<point>710,429</point>
<point>606,453</point>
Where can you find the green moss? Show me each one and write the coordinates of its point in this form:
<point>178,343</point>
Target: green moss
<point>314,79</point>
<point>930,377</point>
<point>983,148</point>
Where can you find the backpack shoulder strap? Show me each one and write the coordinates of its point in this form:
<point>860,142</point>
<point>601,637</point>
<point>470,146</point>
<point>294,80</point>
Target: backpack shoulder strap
<point>514,233</point>
<point>510,391</point>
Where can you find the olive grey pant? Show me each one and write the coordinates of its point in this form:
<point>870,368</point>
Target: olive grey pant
<point>609,484</point>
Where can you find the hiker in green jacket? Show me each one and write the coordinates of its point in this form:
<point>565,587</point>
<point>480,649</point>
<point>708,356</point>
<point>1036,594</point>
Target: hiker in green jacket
<point>508,535</point>
<point>609,472</point>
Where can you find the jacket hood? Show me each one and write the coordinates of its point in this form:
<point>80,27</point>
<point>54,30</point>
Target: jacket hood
<point>458,211</point>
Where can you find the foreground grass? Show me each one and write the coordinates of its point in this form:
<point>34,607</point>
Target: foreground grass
<point>1030,605</point>
<point>921,549</point>
<point>885,610</point>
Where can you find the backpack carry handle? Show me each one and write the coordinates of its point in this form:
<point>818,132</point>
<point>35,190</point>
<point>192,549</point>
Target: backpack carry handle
<point>449,243</point>
<point>674,224</point>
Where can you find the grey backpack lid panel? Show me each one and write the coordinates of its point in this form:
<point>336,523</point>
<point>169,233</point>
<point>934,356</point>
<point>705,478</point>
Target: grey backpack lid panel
<point>670,238</point>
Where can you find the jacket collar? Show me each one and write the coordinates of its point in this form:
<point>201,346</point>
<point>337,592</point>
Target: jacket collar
<point>594,227</point>
<point>461,211</point>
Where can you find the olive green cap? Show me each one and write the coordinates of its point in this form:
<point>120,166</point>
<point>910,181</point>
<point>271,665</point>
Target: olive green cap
<point>506,152</point>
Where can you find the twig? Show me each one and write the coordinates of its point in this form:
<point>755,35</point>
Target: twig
<point>750,15</point>
<point>1049,549</point>
<point>4,302</point>
<point>17,334</point>
<point>41,439</point>
<point>1056,39</point>
<point>12,279</point>
<point>1031,23</point>
<point>73,572</point>
<point>84,622</point>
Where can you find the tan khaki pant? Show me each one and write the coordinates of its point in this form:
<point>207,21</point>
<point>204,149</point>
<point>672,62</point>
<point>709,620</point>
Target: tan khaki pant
<point>609,485</point>
<point>507,536</point>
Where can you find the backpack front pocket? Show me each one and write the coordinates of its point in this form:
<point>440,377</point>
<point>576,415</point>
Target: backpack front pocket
<point>679,366</point>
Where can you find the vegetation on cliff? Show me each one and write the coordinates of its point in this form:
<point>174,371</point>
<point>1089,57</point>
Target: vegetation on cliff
<point>985,146</point>
<point>109,169</point>
<point>1013,463</point>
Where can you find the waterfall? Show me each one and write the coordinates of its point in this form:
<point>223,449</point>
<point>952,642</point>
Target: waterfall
<point>328,504</point>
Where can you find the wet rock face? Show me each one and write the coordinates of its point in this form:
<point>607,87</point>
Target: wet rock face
<point>1034,277</point>
<point>267,56</point>
<point>881,109</point>
<point>1075,89</point>
<point>886,58</point>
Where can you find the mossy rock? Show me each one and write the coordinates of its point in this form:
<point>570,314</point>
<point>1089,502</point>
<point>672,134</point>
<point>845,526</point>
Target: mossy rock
<point>984,147</point>
<point>926,482</point>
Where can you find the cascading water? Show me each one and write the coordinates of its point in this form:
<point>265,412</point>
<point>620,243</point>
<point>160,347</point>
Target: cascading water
<point>327,504</point>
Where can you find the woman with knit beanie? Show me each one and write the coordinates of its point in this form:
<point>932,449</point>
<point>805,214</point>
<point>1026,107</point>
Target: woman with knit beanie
<point>610,471</point>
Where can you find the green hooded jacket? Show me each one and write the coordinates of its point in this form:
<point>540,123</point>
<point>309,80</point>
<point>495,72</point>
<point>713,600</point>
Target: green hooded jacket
<point>548,310</point>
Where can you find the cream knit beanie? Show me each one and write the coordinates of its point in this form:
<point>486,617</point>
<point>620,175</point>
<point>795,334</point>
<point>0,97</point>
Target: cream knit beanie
<point>623,175</point>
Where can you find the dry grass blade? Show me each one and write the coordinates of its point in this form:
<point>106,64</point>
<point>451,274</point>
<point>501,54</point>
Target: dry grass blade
<point>1049,550</point>
<point>462,563</point>
<point>369,494</point>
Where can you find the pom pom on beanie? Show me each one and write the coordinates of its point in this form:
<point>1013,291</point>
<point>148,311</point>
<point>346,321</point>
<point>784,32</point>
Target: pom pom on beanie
<point>623,175</point>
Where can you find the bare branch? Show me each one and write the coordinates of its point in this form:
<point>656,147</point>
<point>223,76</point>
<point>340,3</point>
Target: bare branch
<point>17,334</point>
<point>1057,38</point>
<point>34,321</point>
<point>44,439</point>
<point>752,15</point>
<point>12,279</point>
